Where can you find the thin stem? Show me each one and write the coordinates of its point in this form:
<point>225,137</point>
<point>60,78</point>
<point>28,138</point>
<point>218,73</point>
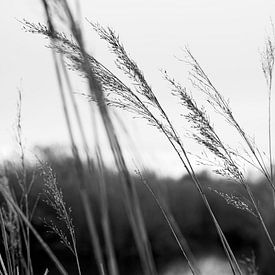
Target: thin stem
<point>35,233</point>
<point>112,263</point>
<point>6,246</point>
<point>181,241</point>
<point>252,198</point>
<point>191,172</point>
<point>270,141</point>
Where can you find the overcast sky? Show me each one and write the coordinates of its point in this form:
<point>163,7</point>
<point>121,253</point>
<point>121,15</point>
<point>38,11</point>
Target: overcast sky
<point>225,36</point>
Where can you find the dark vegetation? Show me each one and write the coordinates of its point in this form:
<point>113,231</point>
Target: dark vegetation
<point>241,228</point>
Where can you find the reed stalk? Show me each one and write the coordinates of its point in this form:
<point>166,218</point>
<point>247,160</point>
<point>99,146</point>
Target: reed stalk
<point>95,89</point>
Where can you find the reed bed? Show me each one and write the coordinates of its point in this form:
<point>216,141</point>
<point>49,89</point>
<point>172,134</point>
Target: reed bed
<point>105,92</point>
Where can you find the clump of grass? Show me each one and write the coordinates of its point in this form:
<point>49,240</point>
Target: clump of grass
<point>205,134</point>
<point>10,229</point>
<point>142,101</point>
<point>54,199</point>
<point>142,88</point>
<point>15,261</point>
<point>16,214</point>
<point>107,90</point>
<point>95,90</point>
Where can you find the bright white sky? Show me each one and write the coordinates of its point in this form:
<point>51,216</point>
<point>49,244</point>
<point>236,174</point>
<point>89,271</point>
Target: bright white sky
<point>225,36</point>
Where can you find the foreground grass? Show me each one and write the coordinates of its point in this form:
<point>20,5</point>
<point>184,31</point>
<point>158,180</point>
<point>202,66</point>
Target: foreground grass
<point>141,200</point>
<point>240,228</point>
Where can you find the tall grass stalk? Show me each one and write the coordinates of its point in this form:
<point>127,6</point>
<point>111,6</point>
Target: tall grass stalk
<point>105,220</point>
<point>77,160</point>
<point>131,201</point>
<point>168,216</point>
<point>208,137</point>
<point>202,82</point>
<point>83,185</point>
<point>16,234</point>
<point>180,239</point>
<point>54,199</point>
<point>22,179</point>
<point>267,60</point>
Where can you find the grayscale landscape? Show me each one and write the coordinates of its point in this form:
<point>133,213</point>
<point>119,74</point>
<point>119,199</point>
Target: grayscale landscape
<point>137,137</point>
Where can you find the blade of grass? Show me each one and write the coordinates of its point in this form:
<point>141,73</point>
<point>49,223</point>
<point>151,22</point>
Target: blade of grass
<point>112,263</point>
<point>180,239</point>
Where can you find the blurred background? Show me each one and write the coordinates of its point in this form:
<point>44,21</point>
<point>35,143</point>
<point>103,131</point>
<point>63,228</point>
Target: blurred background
<point>241,228</point>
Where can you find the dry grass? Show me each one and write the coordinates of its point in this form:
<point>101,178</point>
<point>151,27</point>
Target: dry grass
<point>107,91</point>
